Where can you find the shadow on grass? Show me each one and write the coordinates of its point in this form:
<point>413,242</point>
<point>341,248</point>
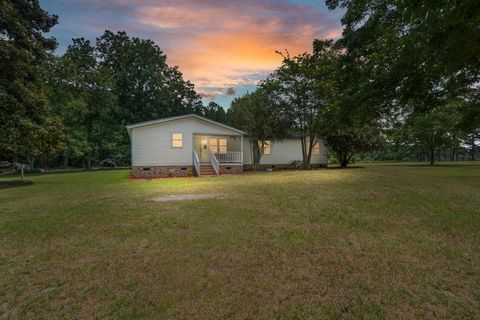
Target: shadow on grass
<point>345,168</point>
<point>59,171</point>
<point>439,165</point>
<point>14,183</point>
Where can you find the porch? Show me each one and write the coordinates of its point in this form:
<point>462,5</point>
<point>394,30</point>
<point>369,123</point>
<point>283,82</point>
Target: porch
<point>217,152</point>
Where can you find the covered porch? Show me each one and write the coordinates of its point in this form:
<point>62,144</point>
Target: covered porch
<point>225,149</point>
<point>222,153</point>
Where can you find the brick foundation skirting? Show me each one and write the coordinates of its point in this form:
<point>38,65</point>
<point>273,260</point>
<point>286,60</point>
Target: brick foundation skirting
<point>275,167</point>
<point>161,172</point>
<point>187,171</point>
<point>233,168</point>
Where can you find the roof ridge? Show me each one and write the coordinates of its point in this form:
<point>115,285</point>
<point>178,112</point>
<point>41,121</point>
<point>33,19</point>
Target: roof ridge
<point>152,122</point>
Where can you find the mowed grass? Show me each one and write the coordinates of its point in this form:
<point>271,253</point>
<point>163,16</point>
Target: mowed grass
<point>383,241</point>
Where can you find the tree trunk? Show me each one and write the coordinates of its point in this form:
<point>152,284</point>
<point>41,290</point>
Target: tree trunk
<point>304,151</point>
<point>65,161</point>
<point>432,156</point>
<point>89,161</point>
<point>256,153</point>
<point>472,152</point>
<point>343,158</point>
<point>308,156</point>
<point>31,162</point>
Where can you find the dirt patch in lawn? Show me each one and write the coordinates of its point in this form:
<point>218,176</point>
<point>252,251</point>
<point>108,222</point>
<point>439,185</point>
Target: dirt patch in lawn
<point>187,197</point>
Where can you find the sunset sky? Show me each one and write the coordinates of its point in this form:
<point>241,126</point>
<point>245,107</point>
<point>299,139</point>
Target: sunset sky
<point>223,47</point>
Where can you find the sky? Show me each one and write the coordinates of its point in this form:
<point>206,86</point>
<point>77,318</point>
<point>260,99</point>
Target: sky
<point>223,47</point>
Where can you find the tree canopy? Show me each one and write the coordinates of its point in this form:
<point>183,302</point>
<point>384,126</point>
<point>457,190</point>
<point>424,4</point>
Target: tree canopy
<point>25,120</point>
<point>262,120</point>
<point>303,88</point>
<point>419,53</point>
<point>99,88</point>
<point>404,75</point>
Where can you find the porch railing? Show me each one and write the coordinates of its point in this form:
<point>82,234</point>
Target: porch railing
<point>229,157</point>
<point>215,163</point>
<point>196,163</point>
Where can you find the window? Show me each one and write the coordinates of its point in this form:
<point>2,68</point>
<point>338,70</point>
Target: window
<point>213,145</point>
<point>223,145</point>
<point>218,145</point>
<point>177,140</point>
<point>267,149</point>
<point>315,150</point>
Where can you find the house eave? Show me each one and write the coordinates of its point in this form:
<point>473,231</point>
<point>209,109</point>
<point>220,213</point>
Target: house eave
<point>158,121</point>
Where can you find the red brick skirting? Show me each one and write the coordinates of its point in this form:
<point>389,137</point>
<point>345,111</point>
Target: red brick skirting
<point>187,171</point>
<point>161,172</point>
<point>233,168</point>
<point>276,167</point>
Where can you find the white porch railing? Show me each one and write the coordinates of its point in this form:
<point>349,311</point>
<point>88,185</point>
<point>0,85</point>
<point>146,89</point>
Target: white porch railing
<point>215,163</point>
<point>229,157</point>
<point>196,163</point>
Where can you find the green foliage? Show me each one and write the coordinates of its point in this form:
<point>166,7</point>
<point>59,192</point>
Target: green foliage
<point>303,87</point>
<point>145,86</point>
<point>261,119</point>
<point>420,54</point>
<point>347,142</point>
<point>26,125</point>
<point>82,96</point>
<point>99,89</point>
<point>416,59</point>
<point>215,112</point>
<point>433,129</point>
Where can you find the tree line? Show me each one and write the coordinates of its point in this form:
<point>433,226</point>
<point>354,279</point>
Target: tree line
<point>72,109</point>
<point>401,82</point>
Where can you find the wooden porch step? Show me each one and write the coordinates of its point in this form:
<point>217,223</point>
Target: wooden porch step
<point>207,170</point>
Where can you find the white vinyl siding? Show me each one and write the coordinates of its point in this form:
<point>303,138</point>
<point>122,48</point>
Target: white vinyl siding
<point>152,144</point>
<point>284,152</point>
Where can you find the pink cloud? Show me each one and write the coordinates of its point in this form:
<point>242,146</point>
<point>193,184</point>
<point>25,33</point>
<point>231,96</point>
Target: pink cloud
<point>222,44</point>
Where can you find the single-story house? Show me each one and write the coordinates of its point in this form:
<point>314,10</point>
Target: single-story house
<point>194,145</point>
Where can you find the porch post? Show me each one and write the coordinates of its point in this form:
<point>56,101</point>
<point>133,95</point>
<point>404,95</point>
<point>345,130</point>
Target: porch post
<point>241,147</point>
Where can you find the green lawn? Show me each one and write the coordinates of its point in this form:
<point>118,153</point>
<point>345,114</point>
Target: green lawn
<point>383,241</point>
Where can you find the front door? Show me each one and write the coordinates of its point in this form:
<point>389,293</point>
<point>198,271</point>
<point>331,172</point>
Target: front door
<point>204,155</point>
<point>205,144</point>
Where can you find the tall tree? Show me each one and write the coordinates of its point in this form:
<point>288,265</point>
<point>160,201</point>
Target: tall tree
<point>25,119</point>
<point>215,112</point>
<point>303,86</point>
<point>349,124</point>
<point>82,94</point>
<point>432,129</point>
<point>146,87</point>
<point>260,118</point>
<point>419,53</point>
<point>99,89</point>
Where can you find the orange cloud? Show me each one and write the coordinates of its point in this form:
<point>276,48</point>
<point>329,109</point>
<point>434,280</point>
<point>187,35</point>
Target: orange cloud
<point>226,44</point>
